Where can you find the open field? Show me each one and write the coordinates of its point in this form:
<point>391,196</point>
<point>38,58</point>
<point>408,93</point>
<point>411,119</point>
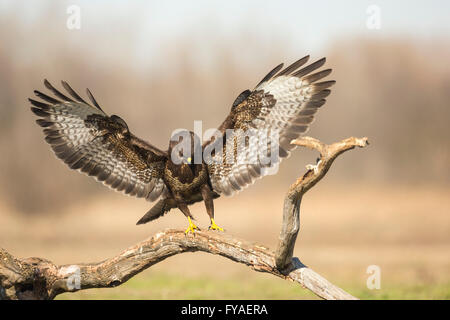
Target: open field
<point>403,230</point>
<point>163,65</point>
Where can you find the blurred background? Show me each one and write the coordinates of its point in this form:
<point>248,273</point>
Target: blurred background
<point>162,65</point>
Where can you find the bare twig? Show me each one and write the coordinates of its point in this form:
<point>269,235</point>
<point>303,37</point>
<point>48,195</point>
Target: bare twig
<point>36,278</point>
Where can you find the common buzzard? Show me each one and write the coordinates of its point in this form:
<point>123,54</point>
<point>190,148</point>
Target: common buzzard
<point>83,136</point>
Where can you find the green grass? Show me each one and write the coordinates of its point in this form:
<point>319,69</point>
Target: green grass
<point>406,292</point>
<point>167,286</point>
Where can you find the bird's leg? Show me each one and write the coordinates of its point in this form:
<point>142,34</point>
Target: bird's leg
<point>184,208</point>
<point>191,227</point>
<point>214,226</point>
<point>207,197</point>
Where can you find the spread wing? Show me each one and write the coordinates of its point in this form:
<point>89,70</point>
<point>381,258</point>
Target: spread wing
<point>89,140</point>
<point>281,107</point>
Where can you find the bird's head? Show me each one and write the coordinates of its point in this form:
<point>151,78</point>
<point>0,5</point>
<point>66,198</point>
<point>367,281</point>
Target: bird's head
<point>185,147</point>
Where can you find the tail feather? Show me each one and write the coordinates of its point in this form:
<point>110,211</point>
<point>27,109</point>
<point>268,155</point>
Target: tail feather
<point>158,210</point>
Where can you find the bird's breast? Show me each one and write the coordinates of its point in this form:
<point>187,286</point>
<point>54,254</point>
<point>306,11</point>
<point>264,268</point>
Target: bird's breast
<point>182,179</point>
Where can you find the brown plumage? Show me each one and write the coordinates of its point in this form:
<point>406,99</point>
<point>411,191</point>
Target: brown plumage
<point>83,136</point>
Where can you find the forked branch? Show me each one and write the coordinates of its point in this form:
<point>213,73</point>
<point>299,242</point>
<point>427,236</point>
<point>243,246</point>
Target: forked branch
<point>37,278</point>
<point>292,201</point>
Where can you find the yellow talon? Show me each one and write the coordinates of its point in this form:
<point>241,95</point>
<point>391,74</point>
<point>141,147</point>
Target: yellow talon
<point>191,227</point>
<point>214,226</point>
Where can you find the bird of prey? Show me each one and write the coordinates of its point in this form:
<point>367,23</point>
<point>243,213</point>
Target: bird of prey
<point>88,140</point>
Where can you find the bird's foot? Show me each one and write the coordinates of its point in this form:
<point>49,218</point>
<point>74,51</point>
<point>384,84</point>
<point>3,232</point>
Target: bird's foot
<point>214,226</point>
<point>191,227</point>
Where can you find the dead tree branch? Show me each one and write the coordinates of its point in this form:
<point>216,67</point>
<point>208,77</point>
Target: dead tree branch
<point>292,201</point>
<point>37,278</point>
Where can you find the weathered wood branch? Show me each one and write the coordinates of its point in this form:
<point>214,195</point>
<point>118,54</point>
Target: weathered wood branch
<point>37,278</point>
<point>293,198</point>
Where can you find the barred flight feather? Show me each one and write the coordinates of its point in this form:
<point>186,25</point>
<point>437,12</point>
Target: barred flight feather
<point>90,141</point>
<point>283,103</point>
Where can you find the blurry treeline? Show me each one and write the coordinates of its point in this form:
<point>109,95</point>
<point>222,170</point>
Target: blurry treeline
<point>394,90</point>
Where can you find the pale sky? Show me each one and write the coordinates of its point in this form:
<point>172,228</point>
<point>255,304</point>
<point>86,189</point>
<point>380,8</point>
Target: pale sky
<point>310,24</point>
